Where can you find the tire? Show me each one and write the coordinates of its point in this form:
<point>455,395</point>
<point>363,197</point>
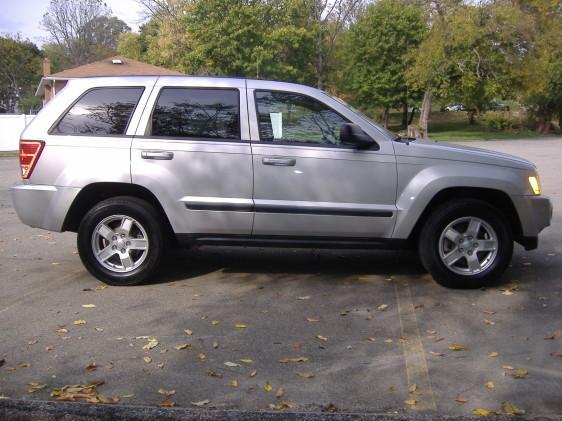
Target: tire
<point>121,240</point>
<point>466,244</point>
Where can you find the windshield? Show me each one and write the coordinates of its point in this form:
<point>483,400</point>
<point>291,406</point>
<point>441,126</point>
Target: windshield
<point>388,133</point>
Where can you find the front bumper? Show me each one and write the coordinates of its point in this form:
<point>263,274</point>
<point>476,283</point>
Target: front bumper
<point>42,206</point>
<point>535,214</point>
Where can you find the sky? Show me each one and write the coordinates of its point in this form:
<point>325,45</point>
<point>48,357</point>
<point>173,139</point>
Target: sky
<point>24,16</point>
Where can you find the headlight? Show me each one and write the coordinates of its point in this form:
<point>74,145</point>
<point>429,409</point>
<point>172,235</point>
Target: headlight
<point>535,184</point>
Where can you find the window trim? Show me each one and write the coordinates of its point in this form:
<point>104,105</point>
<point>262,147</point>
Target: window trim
<point>197,138</point>
<point>289,143</point>
<point>86,92</point>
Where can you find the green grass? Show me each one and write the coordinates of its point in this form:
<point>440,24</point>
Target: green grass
<point>451,126</point>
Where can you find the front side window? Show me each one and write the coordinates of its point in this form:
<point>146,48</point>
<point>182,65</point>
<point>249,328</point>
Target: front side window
<point>100,111</point>
<point>292,117</point>
<point>197,113</point>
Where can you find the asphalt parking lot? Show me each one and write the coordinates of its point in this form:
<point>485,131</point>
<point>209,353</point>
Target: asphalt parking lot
<point>285,330</point>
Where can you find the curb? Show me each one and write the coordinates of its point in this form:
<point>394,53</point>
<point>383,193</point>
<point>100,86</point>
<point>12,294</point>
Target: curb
<point>24,410</point>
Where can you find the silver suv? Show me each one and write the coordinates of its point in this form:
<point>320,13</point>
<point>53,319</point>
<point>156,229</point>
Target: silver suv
<point>137,164</point>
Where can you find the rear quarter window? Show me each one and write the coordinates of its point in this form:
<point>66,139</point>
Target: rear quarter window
<point>100,111</point>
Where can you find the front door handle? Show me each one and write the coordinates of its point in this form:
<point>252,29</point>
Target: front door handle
<point>158,155</point>
<point>279,161</point>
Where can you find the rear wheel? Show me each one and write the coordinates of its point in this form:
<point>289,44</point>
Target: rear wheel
<point>121,241</point>
<point>466,244</point>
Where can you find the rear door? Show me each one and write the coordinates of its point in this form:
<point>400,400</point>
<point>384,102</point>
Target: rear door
<point>192,151</point>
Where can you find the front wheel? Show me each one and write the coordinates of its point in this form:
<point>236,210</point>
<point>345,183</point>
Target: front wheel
<point>120,240</point>
<point>466,244</point>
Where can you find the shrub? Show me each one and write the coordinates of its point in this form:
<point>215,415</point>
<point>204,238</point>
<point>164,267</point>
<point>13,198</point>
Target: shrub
<point>501,120</point>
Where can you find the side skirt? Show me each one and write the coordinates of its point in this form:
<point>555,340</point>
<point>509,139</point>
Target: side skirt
<point>187,240</point>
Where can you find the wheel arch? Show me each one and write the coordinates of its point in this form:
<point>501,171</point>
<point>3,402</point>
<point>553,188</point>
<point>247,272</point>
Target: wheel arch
<point>94,193</point>
<point>497,198</point>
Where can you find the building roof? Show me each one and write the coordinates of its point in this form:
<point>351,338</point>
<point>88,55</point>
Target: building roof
<point>114,66</point>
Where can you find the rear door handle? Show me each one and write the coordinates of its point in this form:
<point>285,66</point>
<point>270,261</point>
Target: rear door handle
<point>279,161</point>
<point>158,155</point>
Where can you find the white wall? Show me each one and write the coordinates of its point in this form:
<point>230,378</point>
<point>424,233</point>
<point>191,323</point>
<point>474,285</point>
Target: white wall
<point>11,126</point>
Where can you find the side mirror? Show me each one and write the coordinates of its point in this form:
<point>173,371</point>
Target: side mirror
<point>352,134</point>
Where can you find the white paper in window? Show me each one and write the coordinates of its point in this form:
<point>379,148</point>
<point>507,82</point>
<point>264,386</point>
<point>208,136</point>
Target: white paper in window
<point>277,125</point>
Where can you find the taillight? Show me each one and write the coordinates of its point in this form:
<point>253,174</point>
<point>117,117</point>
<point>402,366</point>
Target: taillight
<point>30,150</point>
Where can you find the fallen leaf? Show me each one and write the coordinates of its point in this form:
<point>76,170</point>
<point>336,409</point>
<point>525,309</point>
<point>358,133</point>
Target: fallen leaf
<point>312,320</point>
<point>215,322</point>
<point>231,364</point>
<point>246,361</point>
<point>304,297</point>
<point>293,360</point>
<point>371,339</point>
<point>167,403</point>
<point>183,346</point>
<point>61,330</point>
<point>151,344</point>
<point>49,348</point>
<point>33,342</point>
<point>267,387</point>
<point>306,375</point>
<point>438,354</point>
<point>331,408</point>
<point>488,312</point>
<point>510,409</point>
<point>489,322</point>
<point>188,332</point>
<point>388,341</point>
<point>411,402</point>
<point>129,396</point>
<point>201,403</point>
<point>556,354</point>
<point>79,322</point>
<point>461,400</point>
<point>322,338</point>
<point>456,348</point>
<point>160,365</point>
<point>519,374</point>
<point>483,412</point>
<point>100,287</point>
<point>413,388</point>
<point>240,326</point>
<point>494,354</point>
<point>88,305</point>
<point>296,346</point>
<point>212,373</point>
<point>234,383</point>
<point>91,367</point>
<point>490,385</point>
<point>109,365</point>
<point>280,392</point>
<point>24,365</point>
<point>147,359</point>
<point>98,329</point>
<point>555,335</point>
<point>166,393</point>
<point>215,344</point>
<point>253,373</point>
<point>202,356</point>
<point>281,405</point>
<point>392,388</point>
<point>382,307</point>
<point>35,387</point>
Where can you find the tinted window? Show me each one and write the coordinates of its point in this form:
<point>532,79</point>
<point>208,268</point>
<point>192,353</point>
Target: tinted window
<point>290,117</point>
<point>101,111</point>
<point>200,113</point>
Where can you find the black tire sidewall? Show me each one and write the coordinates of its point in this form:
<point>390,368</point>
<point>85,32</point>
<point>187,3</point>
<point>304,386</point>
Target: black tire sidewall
<point>428,245</point>
<point>147,217</point>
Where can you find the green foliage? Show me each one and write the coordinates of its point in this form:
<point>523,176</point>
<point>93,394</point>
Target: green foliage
<point>376,50</point>
<point>500,120</point>
<point>20,67</point>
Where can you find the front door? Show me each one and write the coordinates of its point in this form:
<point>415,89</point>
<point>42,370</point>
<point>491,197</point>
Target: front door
<point>306,183</point>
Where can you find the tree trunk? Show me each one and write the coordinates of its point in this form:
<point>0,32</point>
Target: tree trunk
<point>412,114</point>
<point>405,114</point>
<point>320,63</point>
<point>471,119</point>
<point>385,118</point>
<point>424,114</point>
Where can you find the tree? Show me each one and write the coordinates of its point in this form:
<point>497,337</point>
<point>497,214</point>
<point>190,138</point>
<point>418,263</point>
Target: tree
<point>20,71</point>
<point>83,29</point>
<point>377,54</point>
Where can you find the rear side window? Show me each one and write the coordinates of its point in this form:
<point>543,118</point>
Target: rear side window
<point>197,113</point>
<point>100,111</point>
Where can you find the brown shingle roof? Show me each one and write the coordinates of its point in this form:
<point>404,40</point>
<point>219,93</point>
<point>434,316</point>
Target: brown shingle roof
<point>106,67</point>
